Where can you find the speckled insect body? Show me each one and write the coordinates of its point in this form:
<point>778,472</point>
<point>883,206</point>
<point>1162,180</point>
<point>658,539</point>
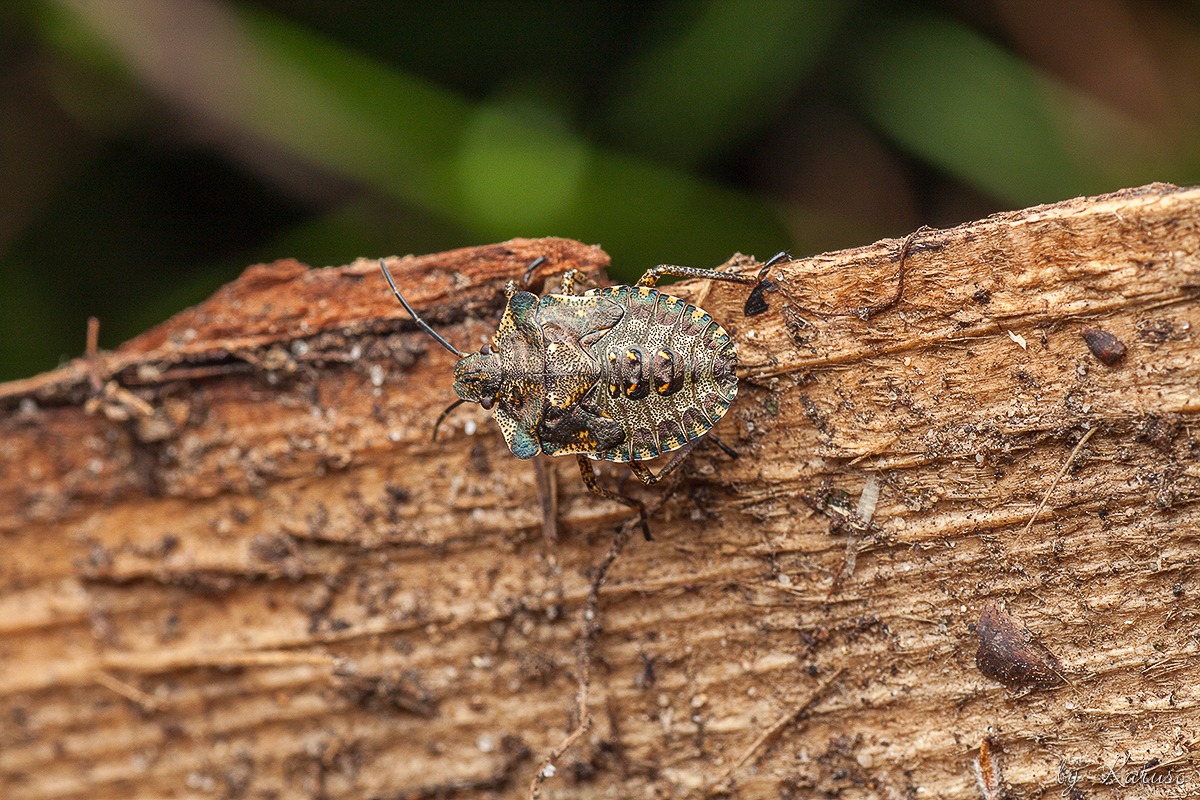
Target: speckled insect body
<point>658,375</point>
<point>620,373</point>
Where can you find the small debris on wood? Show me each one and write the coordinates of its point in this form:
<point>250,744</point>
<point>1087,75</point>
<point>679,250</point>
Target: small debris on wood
<point>869,499</point>
<point>1104,346</point>
<point>392,690</point>
<point>1156,331</point>
<point>987,771</point>
<point>1063,471</point>
<point>1008,652</point>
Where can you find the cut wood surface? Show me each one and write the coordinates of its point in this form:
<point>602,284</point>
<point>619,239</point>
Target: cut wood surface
<point>235,564</point>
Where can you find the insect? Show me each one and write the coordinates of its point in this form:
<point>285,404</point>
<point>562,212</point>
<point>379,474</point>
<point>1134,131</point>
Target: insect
<point>618,373</point>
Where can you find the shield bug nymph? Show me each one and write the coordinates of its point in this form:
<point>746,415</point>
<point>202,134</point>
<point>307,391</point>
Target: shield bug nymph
<point>618,373</point>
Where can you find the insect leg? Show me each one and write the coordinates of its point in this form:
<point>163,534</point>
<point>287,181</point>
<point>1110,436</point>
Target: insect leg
<point>756,303</point>
<point>646,476</point>
<point>537,262</point>
<point>772,261</point>
<point>568,281</point>
<point>568,278</point>
<point>654,273</point>
<point>729,451</point>
<point>589,480</point>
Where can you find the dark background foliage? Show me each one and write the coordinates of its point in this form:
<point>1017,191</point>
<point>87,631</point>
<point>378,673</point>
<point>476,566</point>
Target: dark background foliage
<point>152,149</point>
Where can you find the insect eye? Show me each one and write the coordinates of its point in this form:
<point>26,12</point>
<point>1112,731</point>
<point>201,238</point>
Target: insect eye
<point>486,350</point>
<point>487,402</point>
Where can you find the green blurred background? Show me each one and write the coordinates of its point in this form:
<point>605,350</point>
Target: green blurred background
<point>152,149</point>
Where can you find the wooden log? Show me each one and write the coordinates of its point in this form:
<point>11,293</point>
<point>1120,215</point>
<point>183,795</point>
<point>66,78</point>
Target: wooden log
<point>236,565</point>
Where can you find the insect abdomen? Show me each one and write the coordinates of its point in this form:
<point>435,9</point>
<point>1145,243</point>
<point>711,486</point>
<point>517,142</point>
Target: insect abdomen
<point>667,373</point>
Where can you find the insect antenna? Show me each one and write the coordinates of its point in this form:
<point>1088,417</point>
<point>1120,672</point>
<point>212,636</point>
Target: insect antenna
<point>424,325</point>
<point>442,416</point>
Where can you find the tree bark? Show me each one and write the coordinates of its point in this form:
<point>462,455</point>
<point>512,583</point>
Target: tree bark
<point>237,566</point>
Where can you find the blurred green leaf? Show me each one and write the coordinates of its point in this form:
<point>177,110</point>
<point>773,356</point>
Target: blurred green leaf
<point>520,168</point>
<point>729,71</point>
<point>500,170</point>
<point>974,109</point>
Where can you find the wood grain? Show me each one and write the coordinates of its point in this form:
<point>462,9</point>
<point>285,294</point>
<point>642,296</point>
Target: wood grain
<point>236,565</point>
